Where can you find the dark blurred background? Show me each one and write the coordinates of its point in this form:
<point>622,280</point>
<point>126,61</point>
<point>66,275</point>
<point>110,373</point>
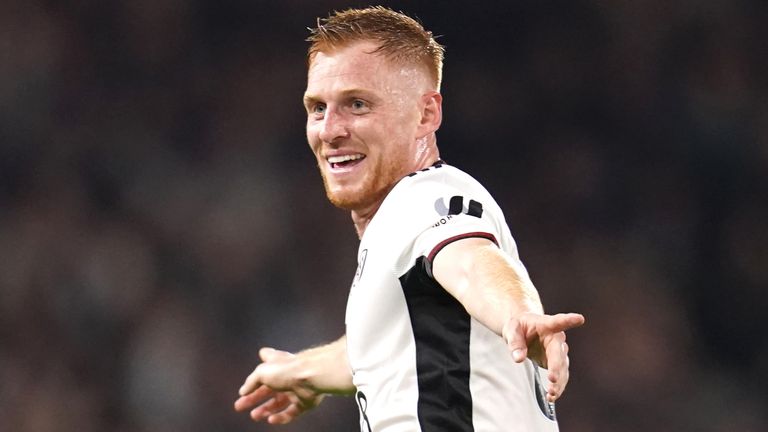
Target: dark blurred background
<point>161,217</point>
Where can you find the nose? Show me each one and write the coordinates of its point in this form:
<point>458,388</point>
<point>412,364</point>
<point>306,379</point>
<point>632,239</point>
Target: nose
<point>333,127</point>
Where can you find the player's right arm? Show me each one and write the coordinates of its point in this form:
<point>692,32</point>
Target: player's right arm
<point>285,385</point>
<point>497,291</point>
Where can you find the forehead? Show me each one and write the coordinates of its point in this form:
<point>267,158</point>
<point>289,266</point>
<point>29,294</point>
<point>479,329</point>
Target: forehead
<point>357,65</point>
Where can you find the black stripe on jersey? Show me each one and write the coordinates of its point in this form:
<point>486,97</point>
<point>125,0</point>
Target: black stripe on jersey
<point>441,329</point>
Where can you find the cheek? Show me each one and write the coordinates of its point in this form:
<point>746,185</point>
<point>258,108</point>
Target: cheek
<point>310,130</point>
<point>312,138</point>
<point>405,121</point>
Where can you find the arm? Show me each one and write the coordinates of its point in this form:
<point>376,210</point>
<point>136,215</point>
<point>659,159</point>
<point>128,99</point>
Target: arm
<point>286,385</point>
<point>496,291</point>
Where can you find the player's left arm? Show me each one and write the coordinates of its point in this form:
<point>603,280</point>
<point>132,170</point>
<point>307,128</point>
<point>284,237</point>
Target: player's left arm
<point>496,290</point>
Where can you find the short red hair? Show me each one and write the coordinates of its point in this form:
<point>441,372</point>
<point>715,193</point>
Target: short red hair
<point>402,38</point>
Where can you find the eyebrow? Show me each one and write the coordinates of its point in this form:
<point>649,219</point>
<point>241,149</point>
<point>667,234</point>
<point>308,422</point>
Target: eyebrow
<point>311,99</point>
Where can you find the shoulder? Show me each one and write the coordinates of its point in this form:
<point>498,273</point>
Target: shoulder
<point>436,180</point>
<point>440,190</point>
<point>419,199</point>
<point>425,198</point>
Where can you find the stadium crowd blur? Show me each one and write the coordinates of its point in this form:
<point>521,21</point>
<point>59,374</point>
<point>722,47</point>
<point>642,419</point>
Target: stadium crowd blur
<point>161,217</point>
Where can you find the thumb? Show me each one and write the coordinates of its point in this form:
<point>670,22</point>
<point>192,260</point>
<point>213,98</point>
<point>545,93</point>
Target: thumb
<point>266,353</point>
<point>515,338</point>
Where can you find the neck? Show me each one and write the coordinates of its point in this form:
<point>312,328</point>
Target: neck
<point>424,159</point>
<point>361,218</point>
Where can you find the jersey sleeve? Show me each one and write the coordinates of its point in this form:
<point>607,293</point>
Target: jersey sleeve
<point>456,215</point>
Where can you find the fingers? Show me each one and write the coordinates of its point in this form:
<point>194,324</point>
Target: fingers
<point>558,363</point>
<point>564,321</point>
<point>268,370</point>
<point>263,391</point>
<point>515,337</point>
<point>279,403</point>
<point>281,408</point>
<point>545,337</point>
<point>251,382</point>
<point>274,407</point>
<point>249,401</point>
<point>557,352</point>
<point>266,354</point>
<point>263,403</point>
<point>287,415</point>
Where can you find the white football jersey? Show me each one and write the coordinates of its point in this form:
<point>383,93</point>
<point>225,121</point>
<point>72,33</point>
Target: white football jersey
<point>419,361</point>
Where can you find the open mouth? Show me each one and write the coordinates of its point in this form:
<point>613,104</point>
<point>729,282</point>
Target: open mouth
<point>345,161</point>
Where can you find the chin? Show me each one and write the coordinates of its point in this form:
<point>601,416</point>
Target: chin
<point>344,200</point>
<point>355,199</point>
<point>345,197</point>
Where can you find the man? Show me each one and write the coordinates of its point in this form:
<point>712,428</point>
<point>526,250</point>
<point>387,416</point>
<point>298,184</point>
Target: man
<point>440,299</point>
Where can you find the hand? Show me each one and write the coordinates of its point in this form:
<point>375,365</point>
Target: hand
<point>542,339</point>
<point>275,391</point>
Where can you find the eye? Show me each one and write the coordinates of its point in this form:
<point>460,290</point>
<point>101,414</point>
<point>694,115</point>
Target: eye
<point>360,106</point>
<point>318,108</point>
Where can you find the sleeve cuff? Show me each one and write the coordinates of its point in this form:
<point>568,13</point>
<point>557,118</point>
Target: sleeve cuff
<point>435,250</point>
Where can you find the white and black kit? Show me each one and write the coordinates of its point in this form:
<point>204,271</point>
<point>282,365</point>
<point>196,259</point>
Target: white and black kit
<point>419,361</point>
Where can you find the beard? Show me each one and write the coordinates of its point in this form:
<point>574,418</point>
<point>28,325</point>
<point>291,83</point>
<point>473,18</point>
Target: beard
<point>371,189</point>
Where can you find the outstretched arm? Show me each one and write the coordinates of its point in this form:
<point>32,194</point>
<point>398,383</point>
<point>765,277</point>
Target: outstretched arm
<point>497,291</point>
<point>285,385</point>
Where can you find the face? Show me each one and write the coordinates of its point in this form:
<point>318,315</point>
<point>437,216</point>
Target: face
<point>363,117</point>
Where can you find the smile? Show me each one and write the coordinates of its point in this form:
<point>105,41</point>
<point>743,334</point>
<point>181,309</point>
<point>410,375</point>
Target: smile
<point>344,161</point>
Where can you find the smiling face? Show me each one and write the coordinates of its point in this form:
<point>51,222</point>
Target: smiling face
<point>365,122</point>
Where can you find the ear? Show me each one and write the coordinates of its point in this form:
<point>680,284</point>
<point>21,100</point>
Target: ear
<point>431,113</point>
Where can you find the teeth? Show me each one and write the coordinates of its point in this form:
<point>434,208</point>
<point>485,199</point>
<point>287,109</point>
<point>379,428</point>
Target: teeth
<point>345,158</point>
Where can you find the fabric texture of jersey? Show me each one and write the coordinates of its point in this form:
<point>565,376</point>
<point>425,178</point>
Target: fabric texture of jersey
<point>419,361</point>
